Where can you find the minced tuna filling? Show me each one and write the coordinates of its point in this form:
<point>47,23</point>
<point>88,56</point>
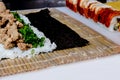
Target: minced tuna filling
<point>15,33</point>
<point>9,35</point>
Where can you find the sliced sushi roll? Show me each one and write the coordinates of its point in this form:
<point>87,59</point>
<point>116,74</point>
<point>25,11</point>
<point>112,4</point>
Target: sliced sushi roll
<point>112,21</point>
<point>99,13</point>
<point>72,4</point>
<point>83,7</point>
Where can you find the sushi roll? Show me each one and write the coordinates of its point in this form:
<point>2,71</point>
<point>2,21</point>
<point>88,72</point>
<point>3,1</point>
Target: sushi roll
<point>100,13</point>
<point>72,4</point>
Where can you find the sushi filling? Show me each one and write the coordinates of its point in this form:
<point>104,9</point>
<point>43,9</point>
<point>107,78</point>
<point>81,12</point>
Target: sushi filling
<point>117,25</point>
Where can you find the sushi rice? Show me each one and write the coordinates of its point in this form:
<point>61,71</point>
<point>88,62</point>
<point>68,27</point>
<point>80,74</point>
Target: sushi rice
<point>16,52</point>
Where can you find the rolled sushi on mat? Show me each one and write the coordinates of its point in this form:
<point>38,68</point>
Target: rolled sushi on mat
<point>100,13</point>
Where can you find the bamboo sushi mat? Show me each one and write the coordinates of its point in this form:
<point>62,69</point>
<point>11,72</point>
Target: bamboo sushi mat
<point>99,47</point>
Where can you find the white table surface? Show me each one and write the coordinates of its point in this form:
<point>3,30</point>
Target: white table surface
<point>107,68</point>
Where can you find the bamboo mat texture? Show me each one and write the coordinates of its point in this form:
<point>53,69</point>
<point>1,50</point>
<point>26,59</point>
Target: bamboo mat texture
<point>99,47</point>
